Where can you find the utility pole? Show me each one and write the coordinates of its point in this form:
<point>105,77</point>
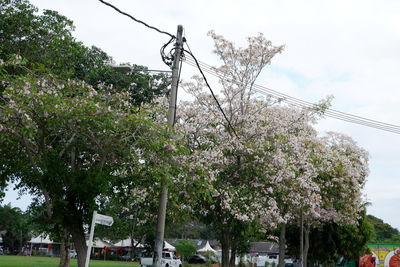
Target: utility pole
<point>162,206</point>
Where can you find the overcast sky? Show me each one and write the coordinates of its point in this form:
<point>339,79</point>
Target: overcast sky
<point>346,48</point>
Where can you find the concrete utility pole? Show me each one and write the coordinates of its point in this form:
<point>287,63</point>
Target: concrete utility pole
<point>162,207</point>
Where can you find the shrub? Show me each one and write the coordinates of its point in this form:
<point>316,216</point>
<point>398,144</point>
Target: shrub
<point>185,249</point>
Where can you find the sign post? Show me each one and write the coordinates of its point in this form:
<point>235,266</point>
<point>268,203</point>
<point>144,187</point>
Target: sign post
<point>99,219</point>
<point>104,220</point>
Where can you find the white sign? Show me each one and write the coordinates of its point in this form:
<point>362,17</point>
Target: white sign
<point>104,220</point>
<point>99,219</point>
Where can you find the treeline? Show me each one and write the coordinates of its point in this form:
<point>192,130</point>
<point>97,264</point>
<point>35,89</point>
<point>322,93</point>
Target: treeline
<point>382,232</point>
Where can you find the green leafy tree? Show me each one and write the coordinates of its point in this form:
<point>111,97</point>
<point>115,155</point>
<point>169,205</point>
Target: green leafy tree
<point>382,232</point>
<point>15,226</point>
<point>37,48</point>
<point>72,143</point>
<point>185,249</point>
<point>331,241</point>
<point>46,42</point>
<point>131,219</point>
<point>134,202</point>
<point>189,228</point>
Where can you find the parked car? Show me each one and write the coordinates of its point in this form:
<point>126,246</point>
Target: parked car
<point>291,263</point>
<point>73,254</point>
<point>197,259</point>
<point>273,260</point>
<point>168,260</point>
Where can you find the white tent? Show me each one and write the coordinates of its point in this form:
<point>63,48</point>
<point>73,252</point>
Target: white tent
<point>98,243</point>
<point>168,246</point>
<point>41,239</point>
<point>43,244</point>
<point>127,243</point>
<point>206,248</point>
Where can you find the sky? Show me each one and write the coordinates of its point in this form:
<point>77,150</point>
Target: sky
<point>345,48</point>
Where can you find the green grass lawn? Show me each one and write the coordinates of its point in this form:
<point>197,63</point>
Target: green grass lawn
<point>26,261</point>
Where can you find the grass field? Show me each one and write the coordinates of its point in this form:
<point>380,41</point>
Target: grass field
<point>25,261</point>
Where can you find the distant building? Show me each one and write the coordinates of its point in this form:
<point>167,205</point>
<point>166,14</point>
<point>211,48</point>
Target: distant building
<point>43,245</point>
<point>264,248</point>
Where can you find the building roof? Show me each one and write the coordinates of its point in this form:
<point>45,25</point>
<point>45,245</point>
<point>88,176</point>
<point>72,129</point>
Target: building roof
<point>264,247</point>
<point>41,239</point>
<point>126,243</point>
<point>98,243</point>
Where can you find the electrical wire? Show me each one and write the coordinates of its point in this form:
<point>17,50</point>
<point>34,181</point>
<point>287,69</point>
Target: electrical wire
<point>328,113</point>
<point>209,87</point>
<point>300,103</point>
<point>167,59</point>
<point>137,20</point>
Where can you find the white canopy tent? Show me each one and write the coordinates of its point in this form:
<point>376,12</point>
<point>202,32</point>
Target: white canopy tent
<point>128,243</point>
<point>168,246</point>
<point>43,244</point>
<point>98,243</point>
<point>41,239</point>
<point>206,248</point>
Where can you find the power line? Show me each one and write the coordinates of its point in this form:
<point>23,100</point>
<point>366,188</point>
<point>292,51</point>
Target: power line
<point>137,20</point>
<point>167,59</point>
<point>260,89</point>
<point>301,103</point>
<point>209,87</point>
<point>127,69</point>
<point>304,104</point>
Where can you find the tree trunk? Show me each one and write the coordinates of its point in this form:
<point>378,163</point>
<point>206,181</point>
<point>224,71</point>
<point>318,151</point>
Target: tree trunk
<point>64,250</point>
<point>79,240</point>
<point>282,245</point>
<point>226,245</point>
<point>133,248</point>
<point>232,259</point>
<point>301,240</point>
<point>306,244</point>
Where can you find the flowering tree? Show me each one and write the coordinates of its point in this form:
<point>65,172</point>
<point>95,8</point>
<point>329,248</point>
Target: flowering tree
<point>341,178</point>
<point>268,166</point>
<point>49,52</point>
<point>287,163</point>
<point>342,171</point>
<point>225,185</point>
<point>66,144</point>
<point>339,171</point>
